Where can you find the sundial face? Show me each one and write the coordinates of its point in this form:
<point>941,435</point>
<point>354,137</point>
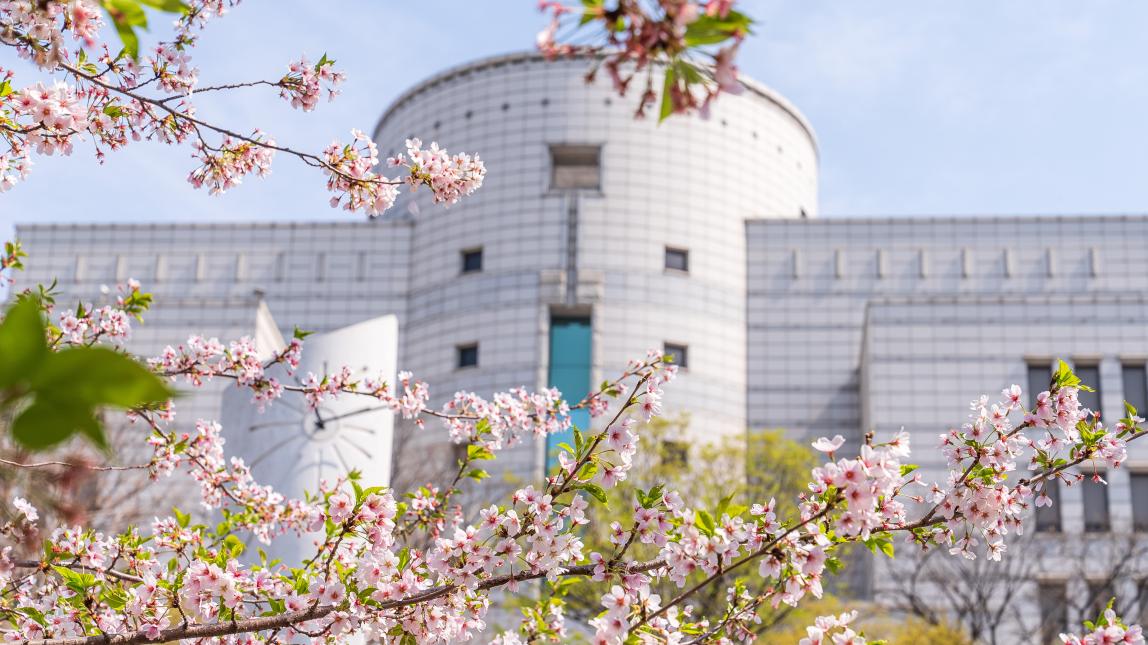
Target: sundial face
<point>292,447</point>
<point>322,426</point>
<point>333,439</point>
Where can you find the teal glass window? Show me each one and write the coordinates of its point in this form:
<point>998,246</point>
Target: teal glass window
<point>570,361</point>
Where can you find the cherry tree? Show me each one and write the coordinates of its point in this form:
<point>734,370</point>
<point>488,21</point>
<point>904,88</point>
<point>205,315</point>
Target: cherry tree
<point>407,566</point>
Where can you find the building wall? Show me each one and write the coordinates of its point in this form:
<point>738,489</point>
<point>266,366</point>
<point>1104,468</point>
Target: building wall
<point>883,324</point>
<point>685,183</point>
<point>811,281</point>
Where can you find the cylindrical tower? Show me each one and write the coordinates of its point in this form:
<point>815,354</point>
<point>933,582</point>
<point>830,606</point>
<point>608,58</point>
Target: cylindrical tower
<point>595,236</point>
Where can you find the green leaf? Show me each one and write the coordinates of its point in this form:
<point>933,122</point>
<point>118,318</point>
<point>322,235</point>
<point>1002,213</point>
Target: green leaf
<point>705,522</point>
<point>100,376</point>
<point>182,518</point>
<point>477,474</point>
<point>707,30</point>
<point>77,582</point>
<point>126,12</point>
<point>723,504</point>
<point>667,102</point>
<point>711,30</point>
<point>651,498</point>
<point>95,433</point>
<point>130,40</point>
<point>46,423</point>
<point>591,9</point>
<point>1065,377</point>
<point>879,543</point>
<point>170,6</point>
<point>115,597</point>
<point>475,452</point>
<point>908,468</point>
<point>22,344</point>
<point>595,491</point>
<point>482,427</point>
<point>736,510</point>
<point>588,470</point>
<point>35,614</point>
<point>234,545</point>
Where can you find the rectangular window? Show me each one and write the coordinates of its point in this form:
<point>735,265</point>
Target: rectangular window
<point>1099,593</point>
<point>1090,376</point>
<point>1096,518</point>
<point>468,355</point>
<point>570,371</point>
<point>1135,379</point>
<point>1048,517</point>
<point>575,167</point>
<point>472,260</point>
<point>1139,486</point>
<point>1053,599</point>
<point>1142,596</point>
<point>677,259</point>
<point>1039,377</point>
<point>677,354</point>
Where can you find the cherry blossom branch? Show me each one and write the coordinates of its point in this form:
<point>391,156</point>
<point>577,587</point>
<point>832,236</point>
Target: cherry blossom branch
<point>65,464</point>
<point>109,571</point>
<point>307,158</point>
<point>219,88</point>
<point>721,572</point>
<point>570,474</point>
<point>289,619</point>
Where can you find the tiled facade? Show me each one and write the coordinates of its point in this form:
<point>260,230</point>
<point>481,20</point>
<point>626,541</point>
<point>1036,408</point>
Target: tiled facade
<point>816,326</point>
<point>882,324</point>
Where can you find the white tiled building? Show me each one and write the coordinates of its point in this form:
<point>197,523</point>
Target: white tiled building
<point>596,237</point>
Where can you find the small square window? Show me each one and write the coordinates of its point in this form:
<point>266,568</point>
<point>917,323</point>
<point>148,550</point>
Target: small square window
<point>677,354</point>
<point>575,167</point>
<point>468,355</point>
<point>472,260</point>
<point>677,259</point>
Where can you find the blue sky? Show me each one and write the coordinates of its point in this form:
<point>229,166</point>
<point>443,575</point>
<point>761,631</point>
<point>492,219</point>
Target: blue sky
<point>972,107</point>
